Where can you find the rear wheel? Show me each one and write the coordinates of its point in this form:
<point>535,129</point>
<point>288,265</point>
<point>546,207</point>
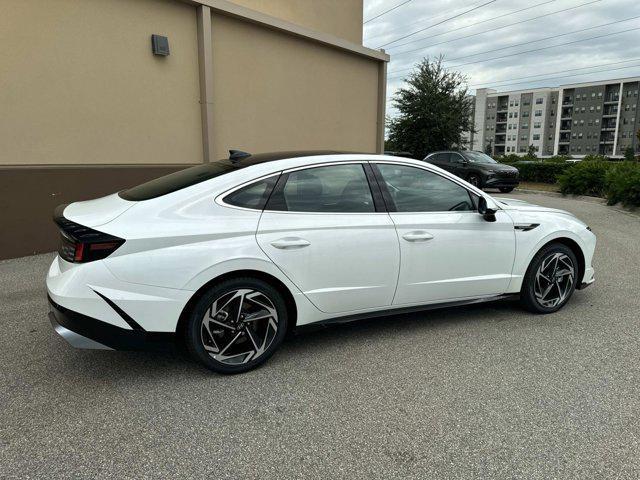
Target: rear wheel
<point>550,279</point>
<point>475,180</point>
<point>237,325</point>
<point>506,189</point>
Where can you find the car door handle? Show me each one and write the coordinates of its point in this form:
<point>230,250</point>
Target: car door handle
<point>290,243</point>
<point>417,236</point>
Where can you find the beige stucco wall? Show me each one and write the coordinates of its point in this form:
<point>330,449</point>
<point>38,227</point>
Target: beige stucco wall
<point>273,91</point>
<point>79,85</point>
<point>342,18</point>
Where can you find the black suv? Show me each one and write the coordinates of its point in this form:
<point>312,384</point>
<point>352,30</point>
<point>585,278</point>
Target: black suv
<point>477,168</point>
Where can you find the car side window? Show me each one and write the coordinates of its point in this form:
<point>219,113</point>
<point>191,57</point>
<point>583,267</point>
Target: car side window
<point>457,158</point>
<point>330,189</point>
<point>252,196</point>
<point>414,189</point>
<point>441,157</point>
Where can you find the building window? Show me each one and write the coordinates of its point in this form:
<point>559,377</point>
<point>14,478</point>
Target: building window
<point>536,136</point>
<point>525,126</point>
<point>525,114</point>
<point>539,101</point>
<point>581,122</point>
<point>516,103</point>
<point>580,135</point>
<point>599,94</point>
<point>583,109</point>
<point>579,148</point>
<point>515,114</point>
<point>597,121</point>
<point>573,135</point>
<point>538,113</point>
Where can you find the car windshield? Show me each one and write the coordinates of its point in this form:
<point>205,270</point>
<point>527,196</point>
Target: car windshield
<point>477,157</point>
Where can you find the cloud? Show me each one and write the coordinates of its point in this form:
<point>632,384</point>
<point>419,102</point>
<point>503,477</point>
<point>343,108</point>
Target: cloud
<point>612,56</point>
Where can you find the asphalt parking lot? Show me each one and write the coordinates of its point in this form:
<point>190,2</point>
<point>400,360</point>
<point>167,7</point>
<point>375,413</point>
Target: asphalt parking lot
<point>473,392</point>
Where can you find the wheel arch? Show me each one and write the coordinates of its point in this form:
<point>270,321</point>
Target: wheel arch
<point>292,311</point>
<point>573,246</point>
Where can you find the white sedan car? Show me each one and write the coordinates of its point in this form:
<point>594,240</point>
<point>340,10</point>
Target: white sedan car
<point>225,257</point>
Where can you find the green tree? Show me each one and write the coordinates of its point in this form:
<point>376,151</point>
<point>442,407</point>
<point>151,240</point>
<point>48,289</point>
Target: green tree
<point>629,154</point>
<point>531,152</point>
<point>434,110</point>
<point>488,149</point>
<point>638,135</point>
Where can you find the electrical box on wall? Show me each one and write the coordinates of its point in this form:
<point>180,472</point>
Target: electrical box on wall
<point>160,45</point>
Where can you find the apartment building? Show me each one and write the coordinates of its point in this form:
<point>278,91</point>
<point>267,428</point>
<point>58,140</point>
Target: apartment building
<point>100,95</point>
<point>575,119</point>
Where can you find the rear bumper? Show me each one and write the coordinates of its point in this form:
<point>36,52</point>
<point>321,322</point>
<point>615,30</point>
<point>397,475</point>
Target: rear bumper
<point>82,331</point>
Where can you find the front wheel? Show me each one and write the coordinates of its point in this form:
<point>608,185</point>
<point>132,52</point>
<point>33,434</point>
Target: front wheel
<point>550,279</point>
<point>475,180</point>
<point>236,325</point>
<point>506,189</point>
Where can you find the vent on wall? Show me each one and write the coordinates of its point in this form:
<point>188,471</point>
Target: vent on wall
<point>160,45</point>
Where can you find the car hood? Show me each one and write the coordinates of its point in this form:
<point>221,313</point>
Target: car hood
<point>498,167</point>
<point>93,213</point>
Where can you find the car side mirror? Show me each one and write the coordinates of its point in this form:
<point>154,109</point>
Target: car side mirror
<point>488,211</point>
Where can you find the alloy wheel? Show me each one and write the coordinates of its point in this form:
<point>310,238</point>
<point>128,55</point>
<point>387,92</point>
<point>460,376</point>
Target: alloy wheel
<point>554,279</point>
<point>239,326</point>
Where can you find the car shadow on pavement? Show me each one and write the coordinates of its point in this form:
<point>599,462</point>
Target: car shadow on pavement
<point>307,341</point>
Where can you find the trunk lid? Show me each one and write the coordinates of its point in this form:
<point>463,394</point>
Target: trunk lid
<point>93,213</point>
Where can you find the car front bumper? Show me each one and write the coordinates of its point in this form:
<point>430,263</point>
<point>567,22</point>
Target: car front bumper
<point>82,331</point>
<point>496,182</point>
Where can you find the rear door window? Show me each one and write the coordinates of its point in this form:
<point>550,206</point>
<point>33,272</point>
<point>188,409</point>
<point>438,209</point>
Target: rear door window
<point>329,189</point>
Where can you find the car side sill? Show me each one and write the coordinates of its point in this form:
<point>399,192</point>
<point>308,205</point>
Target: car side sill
<point>416,308</point>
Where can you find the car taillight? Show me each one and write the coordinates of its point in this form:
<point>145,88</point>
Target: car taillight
<point>80,244</point>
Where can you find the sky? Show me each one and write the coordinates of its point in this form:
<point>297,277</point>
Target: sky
<point>607,56</point>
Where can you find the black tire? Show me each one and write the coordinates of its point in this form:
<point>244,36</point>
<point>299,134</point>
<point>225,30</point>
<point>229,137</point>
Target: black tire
<point>475,180</point>
<point>506,189</point>
<point>528,297</point>
<point>196,335</point>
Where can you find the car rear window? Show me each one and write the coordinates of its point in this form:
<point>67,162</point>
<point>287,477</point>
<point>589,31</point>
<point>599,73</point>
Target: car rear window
<point>201,173</point>
<point>177,180</point>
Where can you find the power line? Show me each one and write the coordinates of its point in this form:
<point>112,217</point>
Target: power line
<point>545,48</point>
<point>473,24</point>
<point>524,51</point>
<point>386,11</point>
<point>438,23</point>
<point>569,76</point>
<point>546,38</point>
<point>404,28</point>
<point>495,29</point>
<point>493,83</point>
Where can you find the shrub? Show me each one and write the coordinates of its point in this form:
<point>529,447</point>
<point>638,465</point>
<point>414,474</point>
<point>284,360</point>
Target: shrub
<point>543,172</point>
<point>509,159</point>
<point>585,178</point>
<point>622,184</point>
<point>629,154</point>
